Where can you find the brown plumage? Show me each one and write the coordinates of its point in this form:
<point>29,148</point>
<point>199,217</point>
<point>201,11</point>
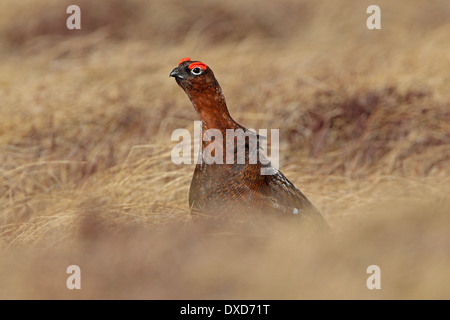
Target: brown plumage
<point>236,192</point>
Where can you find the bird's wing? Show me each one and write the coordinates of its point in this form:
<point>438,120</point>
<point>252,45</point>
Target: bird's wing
<point>286,198</point>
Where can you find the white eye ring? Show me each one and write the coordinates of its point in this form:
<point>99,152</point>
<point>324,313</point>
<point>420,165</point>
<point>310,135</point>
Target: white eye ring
<point>197,71</point>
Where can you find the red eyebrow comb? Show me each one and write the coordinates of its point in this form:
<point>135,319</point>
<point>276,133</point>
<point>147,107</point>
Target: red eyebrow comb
<point>184,60</point>
<point>200,65</point>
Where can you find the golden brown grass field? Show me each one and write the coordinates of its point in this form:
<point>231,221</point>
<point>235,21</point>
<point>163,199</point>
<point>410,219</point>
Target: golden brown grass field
<point>86,118</point>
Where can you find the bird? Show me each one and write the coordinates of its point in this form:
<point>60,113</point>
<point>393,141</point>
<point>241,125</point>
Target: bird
<point>236,192</point>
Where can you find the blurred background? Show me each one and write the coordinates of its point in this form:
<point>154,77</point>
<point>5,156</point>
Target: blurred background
<point>86,118</point>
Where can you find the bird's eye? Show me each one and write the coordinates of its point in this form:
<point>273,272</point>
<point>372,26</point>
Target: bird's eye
<point>196,71</point>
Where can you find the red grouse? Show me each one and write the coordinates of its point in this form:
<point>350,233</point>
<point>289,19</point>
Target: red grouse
<point>235,191</point>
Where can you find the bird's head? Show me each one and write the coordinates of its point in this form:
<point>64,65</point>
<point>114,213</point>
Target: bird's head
<point>193,75</point>
<point>202,88</point>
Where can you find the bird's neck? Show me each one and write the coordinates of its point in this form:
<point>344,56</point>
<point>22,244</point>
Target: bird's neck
<point>212,109</point>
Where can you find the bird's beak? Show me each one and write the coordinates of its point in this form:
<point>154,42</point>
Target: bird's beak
<point>175,73</point>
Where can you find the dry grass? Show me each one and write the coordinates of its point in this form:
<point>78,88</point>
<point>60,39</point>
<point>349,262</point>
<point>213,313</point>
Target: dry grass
<point>86,118</point>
